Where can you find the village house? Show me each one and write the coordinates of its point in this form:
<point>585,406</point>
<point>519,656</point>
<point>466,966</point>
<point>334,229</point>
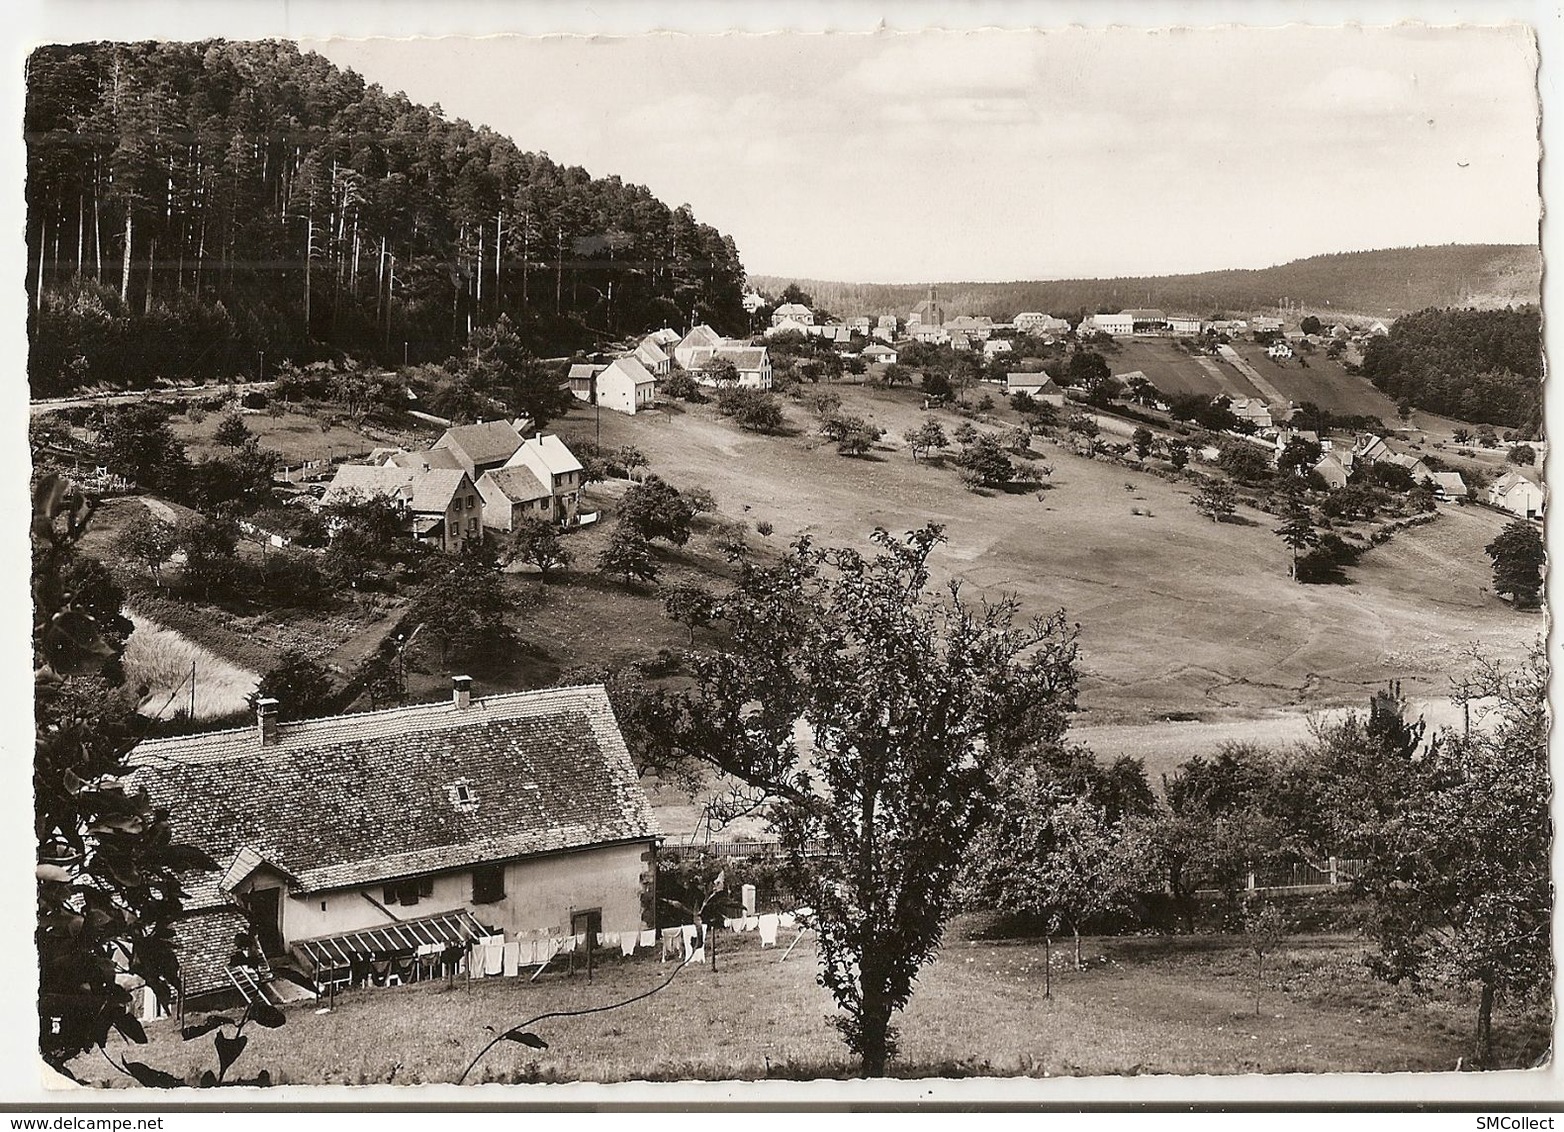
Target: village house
<point>1419,471</point>
<point>1147,320</point>
<point>859,325</point>
<point>753,363</point>
<point>623,385</point>
<point>480,447</point>
<point>384,843</point>
<point>651,355</point>
<point>666,338</point>
<point>996,346</point>
<point>1253,410</point>
<point>439,506</point>
<point>876,353</point>
<point>1038,386</point>
<point>1332,471</point>
<point>830,331</point>
<point>1116,325</point>
<point>1449,487</point>
<point>511,495</point>
<point>793,312</point>
<point>1279,350</point>
<point>789,326</point>
<point>1516,494</point>
<point>753,301</point>
<point>958,340</point>
<point>557,469</point>
<point>582,380</point>
<point>1369,448</point>
<point>1183,324</point>
<point>701,337</point>
<point>1264,324</point>
<point>977,328</point>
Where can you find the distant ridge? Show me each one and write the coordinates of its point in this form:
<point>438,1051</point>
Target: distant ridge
<point>1381,283</point>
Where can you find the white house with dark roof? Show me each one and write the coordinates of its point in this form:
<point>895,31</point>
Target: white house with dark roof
<point>626,386</point>
<point>1516,494</point>
<point>699,337</point>
<point>383,843</point>
<point>792,312</point>
<point>557,468</point>
<point>1037,386</point>
<point>753,363</point>
<point>1449,487</point>
<point>651,355</point>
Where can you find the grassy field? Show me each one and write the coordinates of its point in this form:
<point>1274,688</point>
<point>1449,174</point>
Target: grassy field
<point>1178,614</point>
<point>1183,1005</point>
<point>163,661</point>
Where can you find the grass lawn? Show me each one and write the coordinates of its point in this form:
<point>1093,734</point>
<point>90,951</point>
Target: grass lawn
<point>1324,382</point>
<point>1177,614</point>
<point>1181,1005</point>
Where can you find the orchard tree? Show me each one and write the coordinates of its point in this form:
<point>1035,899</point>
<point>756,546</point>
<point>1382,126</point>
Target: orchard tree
<point>694,607</point>
<point>906,698</point>
<point>628,554</point>
<point>926,438</point>
<point>147,540</point>
<point>1142,441</point>
<point>232,432</point>
<point>1518,558</point>
<point>654,508</point>
<point>1217,499</point>
<point>1178,454</point>
<point>536,540</point>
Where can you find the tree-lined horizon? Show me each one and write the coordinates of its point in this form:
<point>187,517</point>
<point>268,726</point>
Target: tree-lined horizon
<point>192,205</point>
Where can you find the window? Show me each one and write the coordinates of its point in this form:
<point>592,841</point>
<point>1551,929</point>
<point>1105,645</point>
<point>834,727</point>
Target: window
<point>488,884</point>
<point>407,892</point>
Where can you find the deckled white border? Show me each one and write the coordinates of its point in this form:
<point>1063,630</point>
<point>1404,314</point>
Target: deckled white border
<point>31,22</point>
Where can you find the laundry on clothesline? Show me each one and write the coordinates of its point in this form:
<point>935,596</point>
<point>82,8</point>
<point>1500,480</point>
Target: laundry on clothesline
<point>512,959</point>
<point>627,942</point>
<point>768,930</point>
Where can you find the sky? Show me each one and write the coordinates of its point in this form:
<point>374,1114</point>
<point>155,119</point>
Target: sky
<point>1023,154</point>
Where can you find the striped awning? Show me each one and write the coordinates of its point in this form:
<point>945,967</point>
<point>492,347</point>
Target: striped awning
<point>403,937</point>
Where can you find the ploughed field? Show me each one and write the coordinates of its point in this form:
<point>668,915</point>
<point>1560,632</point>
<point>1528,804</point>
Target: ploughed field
<point>1179,616</point>
<point>1180,1005</point>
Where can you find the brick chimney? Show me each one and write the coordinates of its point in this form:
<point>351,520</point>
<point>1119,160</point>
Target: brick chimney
<point>266,721</point>
<point>461,692</point>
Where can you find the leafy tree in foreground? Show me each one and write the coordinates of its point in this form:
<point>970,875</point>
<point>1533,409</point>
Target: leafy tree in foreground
<point>1461,886</point>
<point>906,698</point>
<point>108,872</point>
<point>925,438</point>
<point>1518,558</point>
<point>654,508</point>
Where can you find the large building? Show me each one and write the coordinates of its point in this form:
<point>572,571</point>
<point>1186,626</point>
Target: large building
<point>928,313</point>
<point>383,843</point>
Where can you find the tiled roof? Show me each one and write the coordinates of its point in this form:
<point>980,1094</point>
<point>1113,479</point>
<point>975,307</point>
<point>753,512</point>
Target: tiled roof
<point>551,450</point>
<point>517,484</point>
<point>582,371</point>
<point>792,309</point>
<point>362,799</point>
<point>368,480</point>
<point>746,358</point>
<point>1145,314</point>
<point>487,443</point>
<point>701,335</point>
<point>1041,382</point>
<point>203,941</point>
<point>650,352</point>
<point>432,490</point>
<point>1450,482</point>
<point>425,459</point>
<point>632,368</point>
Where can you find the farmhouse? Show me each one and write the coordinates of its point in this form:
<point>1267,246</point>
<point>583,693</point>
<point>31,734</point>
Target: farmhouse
<point>752,362</point>
<point>420,459</point>
<point>789,326</point>
<point>1147,320</point>
<point>557,469</point>
<point>1449,487</point>
<point>651,355</point>
<point>935,335</point>
<point>996,346</point>
<point>753,301</point>
<point>830,331</point>
<point>511,495</point>
<point>1182,324</point>
<point>1035,322</point>
<point>878,353</point>
<point>1253,410</point>
<point>1279,350</point>
<point>1516,494</point>
<point>859,325</point>
<point>438,505</point>
<point>1037,386</point>
<point>958,340</point>
<point>582,378</point>
<point>977,328</point>
<point>379,843</point>
<point>481,447</point>
<point>625,386</point>
<point>700,337</point>
<point>1369,448</point>
<point>1419,471</point>
<point>1332,471</point>
<point>1264,324</point>
<point>1118,325</point>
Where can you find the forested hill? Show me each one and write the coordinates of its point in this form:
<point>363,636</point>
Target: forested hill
<point>1379,283</point>
<point>190,205</point>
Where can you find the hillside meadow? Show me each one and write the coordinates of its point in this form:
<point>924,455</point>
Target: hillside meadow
<point>1179,616</point>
